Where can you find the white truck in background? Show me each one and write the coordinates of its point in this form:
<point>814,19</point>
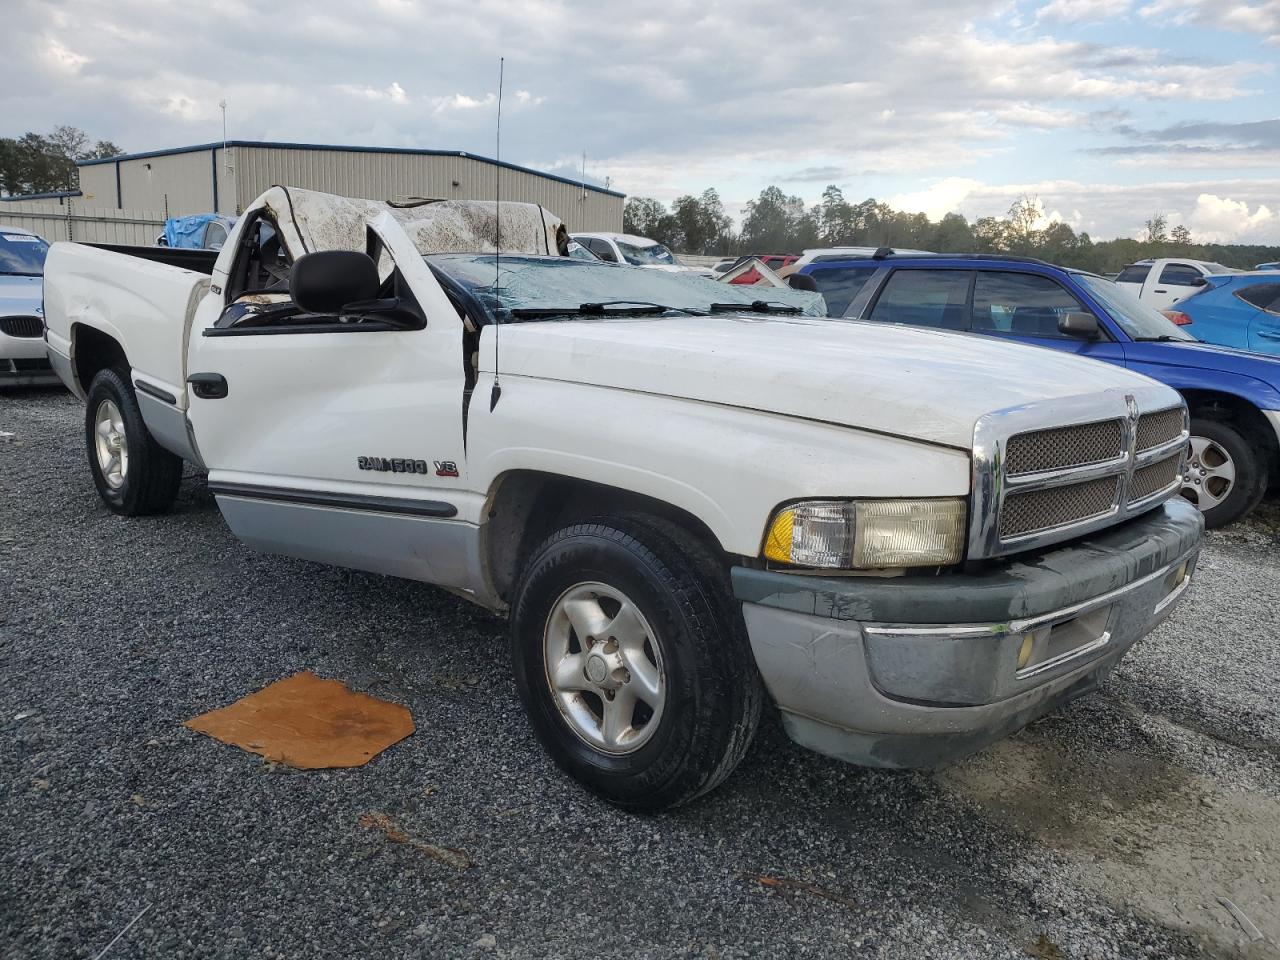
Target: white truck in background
<point>1162,283</point>
<point>690,502</point>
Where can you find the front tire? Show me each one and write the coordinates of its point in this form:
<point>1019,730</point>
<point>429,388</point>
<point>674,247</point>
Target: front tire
<point>632,661</point>
<point>1225,477</point>
<point>134,475</point>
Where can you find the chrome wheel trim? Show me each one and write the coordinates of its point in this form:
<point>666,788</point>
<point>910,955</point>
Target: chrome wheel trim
<point>1209,475</point>
<point>604,669</point>
<point>111,444</point>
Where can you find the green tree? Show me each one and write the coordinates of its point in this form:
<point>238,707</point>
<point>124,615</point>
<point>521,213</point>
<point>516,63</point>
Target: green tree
<point>1156,227</point>
<point>1180,235</point>
<point>40,163</point>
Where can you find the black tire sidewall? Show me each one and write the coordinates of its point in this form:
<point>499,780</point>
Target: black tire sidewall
<point>110,384</point>
<point>1250,483</point>
<point>614,558</point>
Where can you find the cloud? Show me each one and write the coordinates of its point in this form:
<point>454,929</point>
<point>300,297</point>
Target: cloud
<point>1262,18</point>
<point>695,93</point>
<point>1223,220</point>
<point>391,94</point>
<point>1077,11</point>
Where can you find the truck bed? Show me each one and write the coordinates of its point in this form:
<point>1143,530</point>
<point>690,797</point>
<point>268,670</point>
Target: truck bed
<point>142,297</point>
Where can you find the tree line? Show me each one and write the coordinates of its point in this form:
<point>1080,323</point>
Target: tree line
<point>46,162</point>
<point>776,223</point>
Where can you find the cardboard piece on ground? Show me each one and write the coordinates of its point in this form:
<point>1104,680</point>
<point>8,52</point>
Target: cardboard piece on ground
<point>308,723</point>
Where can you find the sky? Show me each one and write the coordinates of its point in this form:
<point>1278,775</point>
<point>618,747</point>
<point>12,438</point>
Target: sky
<point>1110,111</point>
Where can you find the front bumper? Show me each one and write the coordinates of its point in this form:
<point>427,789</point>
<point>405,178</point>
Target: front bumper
<point>23,360</point>
<point>916,671</point>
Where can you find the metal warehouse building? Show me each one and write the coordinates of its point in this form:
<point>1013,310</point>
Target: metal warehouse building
<point>226,177</point>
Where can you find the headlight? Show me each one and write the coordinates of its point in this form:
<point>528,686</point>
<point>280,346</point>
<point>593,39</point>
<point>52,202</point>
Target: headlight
<point>868,533</point>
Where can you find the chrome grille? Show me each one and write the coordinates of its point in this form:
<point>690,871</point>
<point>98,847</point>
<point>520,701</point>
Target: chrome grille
<point>1155,477</point>
<point>1050,471</point>
<point>1051,507</point>
<point>1060,448</point>
<point>1155,429</point>
<point>22,326</point>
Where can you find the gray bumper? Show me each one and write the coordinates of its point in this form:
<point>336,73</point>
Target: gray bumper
<point>916,671</point>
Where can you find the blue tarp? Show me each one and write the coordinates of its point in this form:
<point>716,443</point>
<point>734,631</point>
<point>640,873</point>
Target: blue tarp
<point>187,233</point>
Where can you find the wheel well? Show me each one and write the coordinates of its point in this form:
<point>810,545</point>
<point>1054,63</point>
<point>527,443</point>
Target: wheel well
<point>1242,415</point>
<point>526,506</point>
<point>94,351</point>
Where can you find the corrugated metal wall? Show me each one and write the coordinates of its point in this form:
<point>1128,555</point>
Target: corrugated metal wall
<point>386,176</point>
<point>74,220</point>
<point>181,183</point>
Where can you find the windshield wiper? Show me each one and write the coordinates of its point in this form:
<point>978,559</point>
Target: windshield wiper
<point>756,306</point>
<point>1163,338</point>
<point>634,307</point>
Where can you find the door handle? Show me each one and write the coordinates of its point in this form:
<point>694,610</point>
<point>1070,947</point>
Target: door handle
<point>1267,335</point>
<point>1159,291</point>
<point>208,386</point>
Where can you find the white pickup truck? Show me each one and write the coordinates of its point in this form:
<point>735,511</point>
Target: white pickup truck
<point>1162,283</point>
<point>691,503</point>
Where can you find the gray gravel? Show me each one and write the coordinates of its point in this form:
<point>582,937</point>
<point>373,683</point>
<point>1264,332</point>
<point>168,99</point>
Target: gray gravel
<point>1085,836</point>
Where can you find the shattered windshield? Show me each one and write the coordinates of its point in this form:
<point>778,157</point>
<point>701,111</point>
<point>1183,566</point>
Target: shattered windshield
<point>562,283</point>
<point>647,255</point>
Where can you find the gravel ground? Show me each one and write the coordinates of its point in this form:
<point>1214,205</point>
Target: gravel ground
<point>1108,830</point>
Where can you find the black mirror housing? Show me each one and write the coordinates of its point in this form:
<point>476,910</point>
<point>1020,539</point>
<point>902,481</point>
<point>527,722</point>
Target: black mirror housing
<point>1079,324</point>
<point>327,280</point>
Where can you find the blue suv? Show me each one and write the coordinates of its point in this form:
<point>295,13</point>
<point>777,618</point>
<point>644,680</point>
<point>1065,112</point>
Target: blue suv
<point>1233,396</point>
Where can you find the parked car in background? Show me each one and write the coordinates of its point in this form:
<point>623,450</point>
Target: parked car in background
<point>1162,283</point>
<point>1273,265</point>
<point>1233,396</point>
<point>819,254</point>
<point>578,252</point>
<point>23,359</point>
<point>201,231</point>
<point>1239,310</point>
<point>772,261</point>
<point>685,501</point>
<point>637,251</point>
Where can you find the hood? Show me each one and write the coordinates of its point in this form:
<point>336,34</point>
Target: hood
<point>21,296</point>
<point>922,384</point>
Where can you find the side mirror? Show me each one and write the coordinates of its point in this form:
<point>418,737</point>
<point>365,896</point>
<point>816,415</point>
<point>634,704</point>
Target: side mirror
<point>1079,324</point>
<point>1199,282</point>
<point>328,280</point>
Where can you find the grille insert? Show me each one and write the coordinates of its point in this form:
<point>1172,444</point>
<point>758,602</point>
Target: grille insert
<point>22,326</point>
<point>1037,510</point>
<point>1154,477</point>
<point>1157,428</point>
<point>1058,448</point>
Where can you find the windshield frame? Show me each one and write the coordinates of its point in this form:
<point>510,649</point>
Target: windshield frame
<point>35,242</point>
<point>1138,321</point>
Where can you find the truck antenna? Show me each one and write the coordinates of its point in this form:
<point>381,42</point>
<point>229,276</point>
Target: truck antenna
<point>496,392</point>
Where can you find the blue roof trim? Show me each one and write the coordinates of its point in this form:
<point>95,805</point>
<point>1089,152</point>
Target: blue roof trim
<point>346,148</point>
<point>55,195</point>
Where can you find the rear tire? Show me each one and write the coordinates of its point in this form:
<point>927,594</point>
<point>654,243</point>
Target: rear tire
<point>687,644</point>
<point>1225,476</point>
<point>134,475</point>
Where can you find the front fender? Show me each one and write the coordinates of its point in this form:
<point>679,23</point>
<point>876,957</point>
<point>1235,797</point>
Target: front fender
<point>727,466</point>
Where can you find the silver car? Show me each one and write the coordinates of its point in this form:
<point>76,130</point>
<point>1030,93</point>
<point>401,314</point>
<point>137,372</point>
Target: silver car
<point>22,353</point>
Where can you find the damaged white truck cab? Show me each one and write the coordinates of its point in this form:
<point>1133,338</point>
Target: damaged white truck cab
<point>912,542</point>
